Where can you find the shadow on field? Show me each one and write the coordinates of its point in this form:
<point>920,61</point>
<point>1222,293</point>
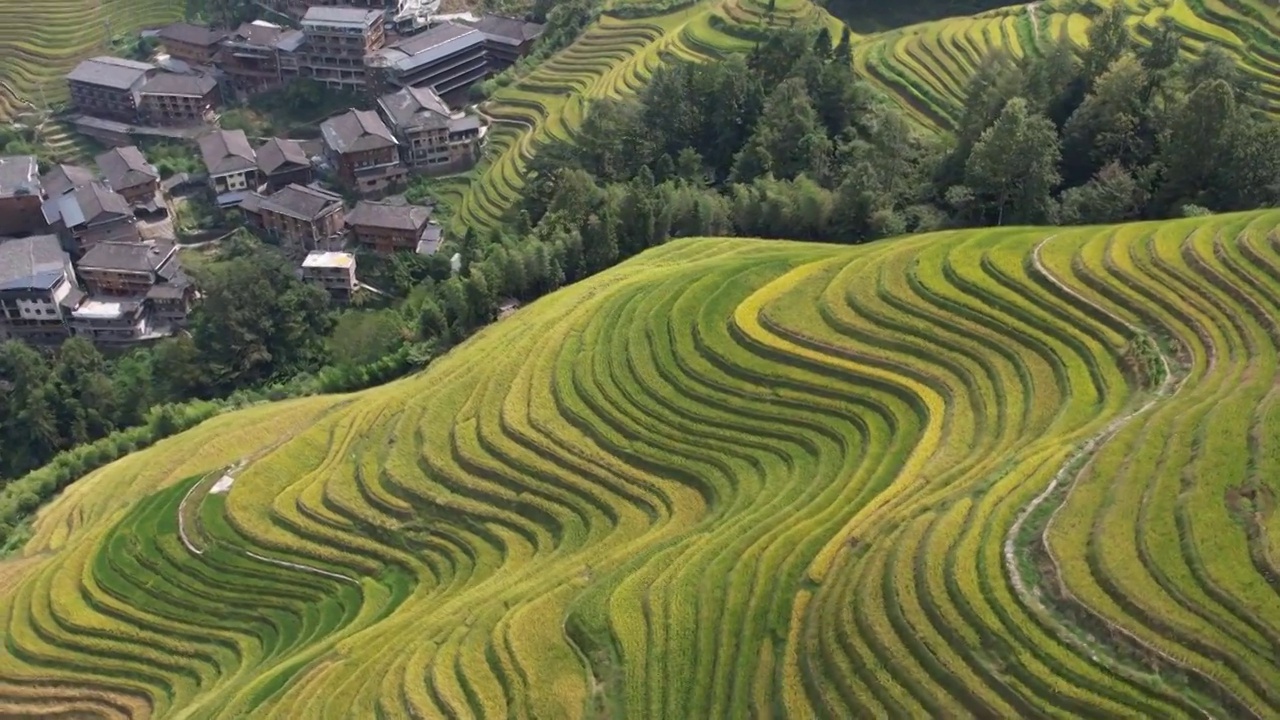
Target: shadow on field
<point>869,16</point>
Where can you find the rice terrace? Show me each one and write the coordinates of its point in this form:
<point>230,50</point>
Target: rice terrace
<point>1013,471</point>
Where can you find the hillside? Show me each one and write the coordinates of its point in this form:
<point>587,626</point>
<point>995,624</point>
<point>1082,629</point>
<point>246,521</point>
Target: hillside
<point>726,478</point>
<point>923,67</point>
<point>41,42</point>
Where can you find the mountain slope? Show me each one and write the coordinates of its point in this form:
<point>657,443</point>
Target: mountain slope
<point>727,478</point>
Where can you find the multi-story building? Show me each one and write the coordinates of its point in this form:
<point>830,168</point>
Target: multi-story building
<point>333,271</point>
<point>451,57</point>
<point>386,228</point>
<point>338,38</point>
<point>447,58</point>
<point>506,39</point>
<point>107,87</point>
<point>170,99</point>
<point>195,44</point>
<point>282,162</point>
<point>37,289</point>
<point>127,172</point>
<point>114,322</point>
<point>363,149</point>
<point>297,216</point>
<point>433,138</point>
<point>88,215</point>
<point>259,56</point>
<point>150,274</point>
<point>231,164</point>
<point>21,195</point>
<point>62,179</point>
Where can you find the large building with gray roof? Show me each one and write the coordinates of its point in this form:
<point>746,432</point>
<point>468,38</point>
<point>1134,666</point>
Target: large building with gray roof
<point>433,138</point>
<point>338,39</point>
<point>37,289</point>
<point>88,215</point>
<point>364,151</point>
<point>107,87</point>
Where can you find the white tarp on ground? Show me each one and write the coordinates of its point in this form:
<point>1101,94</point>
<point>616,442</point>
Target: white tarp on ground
<point>223,485</point>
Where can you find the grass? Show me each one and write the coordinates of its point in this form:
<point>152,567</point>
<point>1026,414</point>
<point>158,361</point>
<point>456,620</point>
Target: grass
<point>727,478</point>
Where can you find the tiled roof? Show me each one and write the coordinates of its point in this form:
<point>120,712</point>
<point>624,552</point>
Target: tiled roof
<point>125,167</point>
<point>355,131</point>
<point>190,34</point>
<point>64,178</point>
<point>86,204</point>
<point>439,42</point>
<point>276,152</point>
<point>500,28</point>
<point>415,108</point>
<point>110,72</point>
<point>127,257</point>
<point>226,151</point>
<point>385,215</point>
<point>19,175</point>
<point>300,201</point>
<point>31,262</point>
<point>167,83</point>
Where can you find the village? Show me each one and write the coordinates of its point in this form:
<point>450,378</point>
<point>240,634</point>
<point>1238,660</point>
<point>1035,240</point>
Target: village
<point>92,251</point>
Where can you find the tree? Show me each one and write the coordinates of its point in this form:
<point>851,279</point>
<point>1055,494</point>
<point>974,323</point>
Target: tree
<point>1112,124</point>
<point>1113,195</point>
<point>788,134</point>
<point>258,321</point>
<point>1013,166</point>
<point>1108,40</point>
<point>1200,135</point>
<point>822,46</point>
<point>361,337</point>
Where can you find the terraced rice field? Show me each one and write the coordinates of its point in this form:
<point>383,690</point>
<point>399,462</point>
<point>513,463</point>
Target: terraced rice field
<point>41,41</point>
<point>923,67</point>
<point>1007,473</point>
<point>926,65</point>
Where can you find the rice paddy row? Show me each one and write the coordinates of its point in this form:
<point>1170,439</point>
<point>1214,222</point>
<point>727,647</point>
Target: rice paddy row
<point>1013,472</point>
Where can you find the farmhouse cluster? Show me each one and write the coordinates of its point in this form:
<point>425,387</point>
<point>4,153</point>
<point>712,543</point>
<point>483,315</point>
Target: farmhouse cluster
<point>92,252</point>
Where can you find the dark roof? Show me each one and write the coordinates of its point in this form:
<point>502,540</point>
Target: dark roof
<point>64,178</point>
<point>226,151</point>
<point>500,28</point>
<point>252,203</point>
<point>257,33</point>
<point>167,83</point>
<point>385,215</point>
<point>110,72</point>
<point>85,204</point>
<point>439,42</point>
<point>127,257</point>
<point>19,175</point>
<point>190,34</point>
<point>356,130</point>
<point>125,167</point>
<point>300,201</point>
<point>30,263</point>
<point>276,152</point>
<point>415,108</point>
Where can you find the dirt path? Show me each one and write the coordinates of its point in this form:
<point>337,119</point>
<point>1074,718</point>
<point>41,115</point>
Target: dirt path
<point>186,539</point>
<point>1035,19</point>
<point>1066,476</point>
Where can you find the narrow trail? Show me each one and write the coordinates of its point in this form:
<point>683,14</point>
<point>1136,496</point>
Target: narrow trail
<point>186,539</point>
<point>1032,7</point>
<point>1067,475</point>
